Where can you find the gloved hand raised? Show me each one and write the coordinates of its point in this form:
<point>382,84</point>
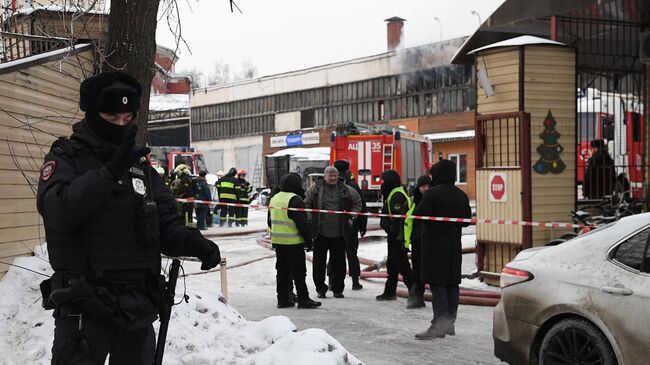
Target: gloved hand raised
<point>124,154</point>
<point>203,249</point>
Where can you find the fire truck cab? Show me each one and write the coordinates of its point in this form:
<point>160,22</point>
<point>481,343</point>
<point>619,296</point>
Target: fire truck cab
<point>375,151</point>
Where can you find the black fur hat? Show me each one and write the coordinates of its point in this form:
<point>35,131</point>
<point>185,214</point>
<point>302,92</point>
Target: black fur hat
<point>110,92</point>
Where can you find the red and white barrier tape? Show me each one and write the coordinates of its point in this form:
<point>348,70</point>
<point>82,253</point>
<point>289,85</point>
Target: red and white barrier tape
<point>427,218</point>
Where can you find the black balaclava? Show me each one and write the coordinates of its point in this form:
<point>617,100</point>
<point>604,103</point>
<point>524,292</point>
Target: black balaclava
<point>422,180</point>
<point>109,92</point>
<point>391,181</point>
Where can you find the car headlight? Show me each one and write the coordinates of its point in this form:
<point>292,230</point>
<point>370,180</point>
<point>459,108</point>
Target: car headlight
<point>512,276</point>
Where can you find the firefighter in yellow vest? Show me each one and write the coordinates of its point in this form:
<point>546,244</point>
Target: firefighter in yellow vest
<point>397,202</point>
<point>290,236</point>
<point>227,188</point>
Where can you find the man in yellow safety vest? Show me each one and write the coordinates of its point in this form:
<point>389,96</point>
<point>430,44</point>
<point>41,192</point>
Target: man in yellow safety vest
<point>290,236</point>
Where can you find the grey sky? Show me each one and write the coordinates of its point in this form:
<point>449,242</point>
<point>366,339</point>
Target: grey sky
<point>284,35</point>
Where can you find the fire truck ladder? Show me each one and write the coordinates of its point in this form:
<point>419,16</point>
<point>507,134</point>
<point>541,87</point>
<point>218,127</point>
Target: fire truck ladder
<point>257,174</point>
<point>388,157</point>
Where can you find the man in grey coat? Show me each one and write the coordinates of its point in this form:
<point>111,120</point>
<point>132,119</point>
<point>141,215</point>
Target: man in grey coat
<point>331,230</point>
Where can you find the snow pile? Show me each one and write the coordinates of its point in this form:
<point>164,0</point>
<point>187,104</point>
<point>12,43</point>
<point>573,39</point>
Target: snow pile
<point>302,153</point>
<point>203,331</point>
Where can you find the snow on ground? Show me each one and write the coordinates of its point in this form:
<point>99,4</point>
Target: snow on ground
<point>251,330</point>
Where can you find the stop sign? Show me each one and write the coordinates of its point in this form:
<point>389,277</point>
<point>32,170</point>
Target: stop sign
<point>497,188</point>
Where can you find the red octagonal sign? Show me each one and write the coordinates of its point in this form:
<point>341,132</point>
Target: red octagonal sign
<point>497,187</point>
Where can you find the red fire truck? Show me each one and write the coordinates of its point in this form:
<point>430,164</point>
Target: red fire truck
<point>372,153</point>
<point>169,157</point>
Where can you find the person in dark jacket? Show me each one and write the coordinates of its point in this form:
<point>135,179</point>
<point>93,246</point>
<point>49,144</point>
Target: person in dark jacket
<point>416,300</point>
<point>203,193</point>
<point>397,202</point>
<point>108,217</point>
<point>358,227</point>
<point>227,188</point>
<point>441,247</point>
<point>332,231</point>
<point>244,197</point>
<point>600,174</point>
<point>290,236</point>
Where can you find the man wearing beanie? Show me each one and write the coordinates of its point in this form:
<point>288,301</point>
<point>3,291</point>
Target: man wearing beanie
<point>358,225</point>
<point>108,217</point>
<point>441,247</point>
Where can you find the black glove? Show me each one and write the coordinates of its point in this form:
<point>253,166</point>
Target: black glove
<point>124,154</point>
<point>202,248</point>
<point>141,154</point>
<point>362,232</point>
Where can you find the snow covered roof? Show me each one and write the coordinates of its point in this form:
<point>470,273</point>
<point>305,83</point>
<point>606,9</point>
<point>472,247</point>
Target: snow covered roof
<point>302,153</point>
<point>451,136</point>
<point>43,56</point>
<point>68,9</point>
<point>163,102</point>
<point>517,41</point>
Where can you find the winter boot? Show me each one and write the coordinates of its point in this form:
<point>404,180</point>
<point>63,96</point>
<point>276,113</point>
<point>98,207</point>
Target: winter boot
<point>415,299</point>
<point>356,285</point>
<point>339,295</point>
<point>434,331</point>
<point>385,297</point>
<point>293,297</point>
<point>308,304</point>
<point>229,223</point>
<point>451,331</point>
<point>285,304</point>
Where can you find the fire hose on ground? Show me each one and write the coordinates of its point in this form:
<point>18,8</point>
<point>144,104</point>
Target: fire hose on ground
<point>467,296</point>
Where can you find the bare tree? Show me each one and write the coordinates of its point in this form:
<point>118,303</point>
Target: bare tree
<point>248,71</point>
<point>220,74</point>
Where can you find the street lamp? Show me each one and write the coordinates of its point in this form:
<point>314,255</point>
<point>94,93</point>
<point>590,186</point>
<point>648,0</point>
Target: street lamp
<point>479,17</point>
<point>439,23</point>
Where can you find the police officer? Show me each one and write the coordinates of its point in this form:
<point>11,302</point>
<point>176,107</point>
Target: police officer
<point>107,219</point>
<point>245,189</point>
<point>290,235</point>
<point>396,202</point>
<point>228,188</point>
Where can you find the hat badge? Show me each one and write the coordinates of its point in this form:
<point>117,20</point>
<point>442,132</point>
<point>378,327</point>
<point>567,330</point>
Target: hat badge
<point>125,100</point>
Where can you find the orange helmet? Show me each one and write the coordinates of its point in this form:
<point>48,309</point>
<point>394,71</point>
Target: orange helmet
<point>241,172</point>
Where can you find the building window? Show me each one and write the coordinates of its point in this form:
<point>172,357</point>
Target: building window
<point>307,118</point>
<point>461,167</point>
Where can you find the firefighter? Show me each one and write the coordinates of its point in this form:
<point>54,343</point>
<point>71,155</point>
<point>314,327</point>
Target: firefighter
<point>290,236</point>
<point>183,188</point>
<point>245,189</point>
<point>396,202</point>
<point>108,217</point>
<point>227,190</point>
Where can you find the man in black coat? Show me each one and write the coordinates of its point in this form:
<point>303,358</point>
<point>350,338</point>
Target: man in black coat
<point>108,216</point>
<point>358,227</point>
<point>441,247</point>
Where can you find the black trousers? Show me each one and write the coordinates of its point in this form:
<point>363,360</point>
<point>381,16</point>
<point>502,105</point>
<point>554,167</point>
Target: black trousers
<point>445,304</point>
<point>290,268</point>
<point>416,258</point>
<point>241,214</point>
<point>201,215</point>
<point>187,211</point>
<point>227,212</point>
<point>397,263</point>
<point>97,338</point>
<point>336,248</point>
<point>351,249</point>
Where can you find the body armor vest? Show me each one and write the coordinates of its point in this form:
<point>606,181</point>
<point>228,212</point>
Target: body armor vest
<point>116,237</point>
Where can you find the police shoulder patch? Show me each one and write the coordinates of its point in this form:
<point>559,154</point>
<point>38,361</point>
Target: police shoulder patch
<point>48,170</point>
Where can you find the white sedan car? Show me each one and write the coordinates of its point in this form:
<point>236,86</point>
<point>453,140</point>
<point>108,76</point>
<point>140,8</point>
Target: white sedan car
<point>586,301</point>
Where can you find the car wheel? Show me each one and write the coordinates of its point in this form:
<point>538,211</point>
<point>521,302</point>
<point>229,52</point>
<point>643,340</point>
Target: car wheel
<point>575,341</point>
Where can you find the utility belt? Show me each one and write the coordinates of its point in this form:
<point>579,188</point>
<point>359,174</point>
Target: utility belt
<point>131,303</point>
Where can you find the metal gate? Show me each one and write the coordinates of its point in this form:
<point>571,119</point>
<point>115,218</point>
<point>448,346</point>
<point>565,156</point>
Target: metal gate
<point>503,181</point>
<point>610,125</point>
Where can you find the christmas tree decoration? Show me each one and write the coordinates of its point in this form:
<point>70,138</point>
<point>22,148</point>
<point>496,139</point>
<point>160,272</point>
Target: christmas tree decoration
<point>550,149</point>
